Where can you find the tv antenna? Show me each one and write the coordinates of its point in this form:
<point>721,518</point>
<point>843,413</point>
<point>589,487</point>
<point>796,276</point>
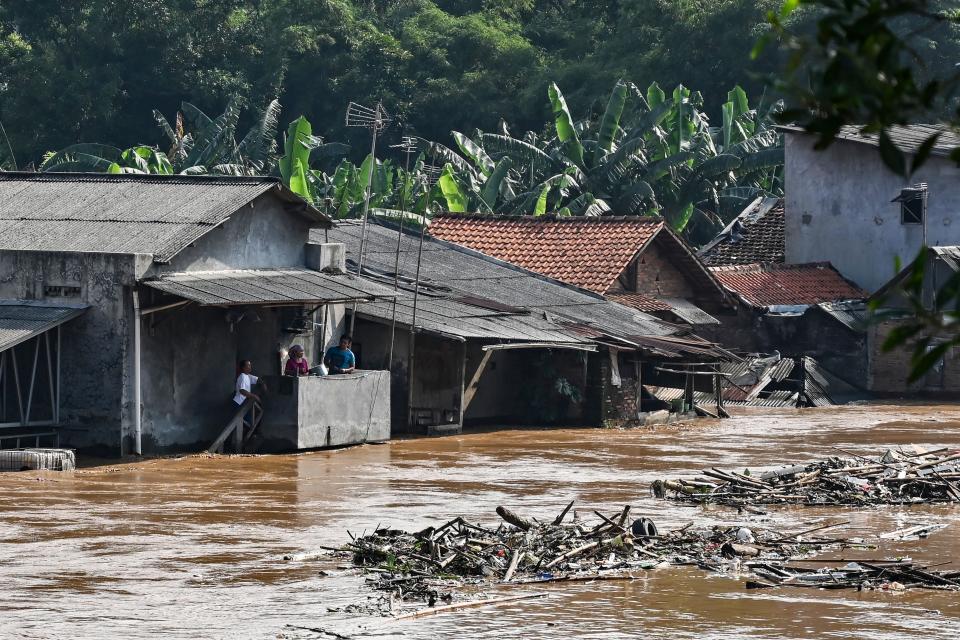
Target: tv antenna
<point>376,120</point>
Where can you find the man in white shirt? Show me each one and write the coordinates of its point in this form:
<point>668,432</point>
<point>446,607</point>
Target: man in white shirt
<point>245,382</point>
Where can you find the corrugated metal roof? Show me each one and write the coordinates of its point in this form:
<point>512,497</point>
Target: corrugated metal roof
<point>128,213</point>
<point>907,137</point>
<point>852,314</point>
<point>689,312</point>
<point>21,320</point>
<point>554,310</point>
<point>268,286</point>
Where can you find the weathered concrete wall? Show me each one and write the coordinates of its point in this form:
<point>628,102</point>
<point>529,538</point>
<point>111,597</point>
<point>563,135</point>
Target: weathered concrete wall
<point>263,235</point>
<point>96,368</point>
<point>189,368</point>
<point>838,209</point>
<point>328,411</point>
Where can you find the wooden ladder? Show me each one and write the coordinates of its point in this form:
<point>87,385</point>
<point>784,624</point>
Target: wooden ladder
<point>237,428</point>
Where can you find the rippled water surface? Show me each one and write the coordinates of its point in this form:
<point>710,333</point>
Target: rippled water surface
<point>194,547</point>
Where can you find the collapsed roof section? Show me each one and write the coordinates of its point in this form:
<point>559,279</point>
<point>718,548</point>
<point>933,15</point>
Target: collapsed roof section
<point>757,235</point>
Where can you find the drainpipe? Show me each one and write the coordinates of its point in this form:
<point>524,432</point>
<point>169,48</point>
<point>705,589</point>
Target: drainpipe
<point>137,319</point>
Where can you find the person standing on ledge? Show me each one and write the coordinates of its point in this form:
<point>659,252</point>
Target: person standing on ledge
<point>340,359</point>
<point>296,364</point>
<point>245,382</point>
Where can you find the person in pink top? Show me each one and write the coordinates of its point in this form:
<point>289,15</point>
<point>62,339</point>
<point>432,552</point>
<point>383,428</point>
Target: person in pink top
<point>296,364</point>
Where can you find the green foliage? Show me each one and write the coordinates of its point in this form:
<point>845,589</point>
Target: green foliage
<point>928,324</point>
<point>873,64</point>
<point>92,70</point>
<point>647,154</point>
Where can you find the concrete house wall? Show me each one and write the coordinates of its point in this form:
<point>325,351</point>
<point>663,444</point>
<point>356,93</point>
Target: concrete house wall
<point>838,209</point>
<point>96,395</point>
<point>263,234</point>
<point>190,354</point>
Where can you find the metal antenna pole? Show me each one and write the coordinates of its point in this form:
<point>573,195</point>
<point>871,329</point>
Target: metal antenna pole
<point>413,326</point>
<point>408,145</point>
<point>431,175</point>
<point>376,120</point>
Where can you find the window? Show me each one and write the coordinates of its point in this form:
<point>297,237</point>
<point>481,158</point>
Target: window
<point>913,204</point>
<point>61,291</point>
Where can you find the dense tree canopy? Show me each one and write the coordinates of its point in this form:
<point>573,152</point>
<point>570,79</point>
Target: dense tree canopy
<point>93,70</point>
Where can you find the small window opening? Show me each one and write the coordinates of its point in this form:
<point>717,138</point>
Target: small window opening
<point>61,291</point>
<point>913,204</point>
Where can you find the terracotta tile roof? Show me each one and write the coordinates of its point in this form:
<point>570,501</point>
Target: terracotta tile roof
<point>587,252</point>
<point>756,235</point>
<point>765,285</point>
<point>639,301</point>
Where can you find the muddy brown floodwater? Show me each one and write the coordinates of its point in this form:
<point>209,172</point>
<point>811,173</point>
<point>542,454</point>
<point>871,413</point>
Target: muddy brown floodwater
<point>194,547</point>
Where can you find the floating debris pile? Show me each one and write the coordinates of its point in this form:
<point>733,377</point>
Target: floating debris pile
<point>895,477</point>
<point>885,575</point>
<point>428,566</point>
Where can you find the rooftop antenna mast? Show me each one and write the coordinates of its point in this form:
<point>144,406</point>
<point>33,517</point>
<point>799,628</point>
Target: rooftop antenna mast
<point>429,175</point>
<point>376,120</point>
<point>407,146</point>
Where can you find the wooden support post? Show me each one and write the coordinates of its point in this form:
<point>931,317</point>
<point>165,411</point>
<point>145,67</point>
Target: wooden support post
<point>16,382</point>
<point>33,379</point>
<point>638,369</point>
<point>471,389</point>
<point>53,399</point>
<point>463,384</point>
<point>238,436</point>
<point>688,391</point>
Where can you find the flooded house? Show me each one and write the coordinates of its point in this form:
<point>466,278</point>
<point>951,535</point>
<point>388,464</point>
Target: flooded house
<point>127,301</point>
<point>495,343</point>
<point>639,262</point>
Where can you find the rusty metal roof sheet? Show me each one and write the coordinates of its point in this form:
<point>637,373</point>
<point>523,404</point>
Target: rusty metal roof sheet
<point>21,320</point>
<point>128,213</point>
<point>268,286</point>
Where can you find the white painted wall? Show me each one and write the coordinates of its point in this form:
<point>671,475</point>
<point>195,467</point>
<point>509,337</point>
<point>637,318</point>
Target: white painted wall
<point>838,209</point>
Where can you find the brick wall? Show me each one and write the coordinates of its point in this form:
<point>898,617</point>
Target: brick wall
<point>657,276</point>
<point>619,403</point>
<point>888,370</point>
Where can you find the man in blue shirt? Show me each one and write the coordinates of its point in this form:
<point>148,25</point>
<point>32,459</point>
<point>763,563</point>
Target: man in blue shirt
<point>340,359</point>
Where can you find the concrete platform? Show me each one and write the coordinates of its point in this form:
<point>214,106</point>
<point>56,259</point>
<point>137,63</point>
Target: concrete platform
<point>327,411</point>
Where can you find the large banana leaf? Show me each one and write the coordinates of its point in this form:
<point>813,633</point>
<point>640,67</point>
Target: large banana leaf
<point>261,141</point>
<point>475,152</point>
<point>215,139</point>
<point>494,183</point>
<point>610,123</point>
<point>540,208</point>
<point>77,162</point>
<point>631,200</point>
<point>78,155</point>
<point>445,155</point>
<point>717,165</point>
<point>295,150</point>
<point>566,132</point>
<point>454,195</point>
<point>763,159</point>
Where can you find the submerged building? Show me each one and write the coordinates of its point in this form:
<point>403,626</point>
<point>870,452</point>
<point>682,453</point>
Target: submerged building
<point>126,302</point>
<point>495,343</point>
